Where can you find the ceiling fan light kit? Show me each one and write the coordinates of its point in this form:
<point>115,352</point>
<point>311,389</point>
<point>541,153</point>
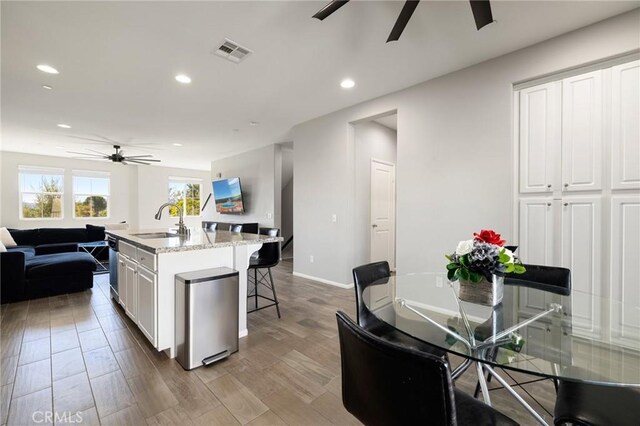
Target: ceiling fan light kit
<point>481,10</point>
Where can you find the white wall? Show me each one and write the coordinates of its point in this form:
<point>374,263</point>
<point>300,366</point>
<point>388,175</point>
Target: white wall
<point>454,156</point>
<point>121,199</point>
<point>372,141</point>
<point>257,172</point>
<point>153,191</point>
<point>136,192</point>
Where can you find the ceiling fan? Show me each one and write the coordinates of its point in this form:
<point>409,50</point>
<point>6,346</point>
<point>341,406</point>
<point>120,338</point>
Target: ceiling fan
<point>117,157</point>
<point>481,10</point>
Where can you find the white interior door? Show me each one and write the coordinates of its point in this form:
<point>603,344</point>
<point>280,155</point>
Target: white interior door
<point>383,212</point>
<point>582,132</point>
<point>625,130</point>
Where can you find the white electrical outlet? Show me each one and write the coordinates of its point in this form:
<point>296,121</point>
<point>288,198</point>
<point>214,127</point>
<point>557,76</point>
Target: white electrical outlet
<point>268,215</point>
<point>439,282</point>
<point>334,218</point>
<point>311,259</point>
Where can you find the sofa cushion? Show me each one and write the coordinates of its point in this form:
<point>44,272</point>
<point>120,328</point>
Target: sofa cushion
<point>25,237</point>
<point>95,233</point>
<point>59,264</point>
<point>56,248</point>
<point>62,235</point>
<point>28,251</point>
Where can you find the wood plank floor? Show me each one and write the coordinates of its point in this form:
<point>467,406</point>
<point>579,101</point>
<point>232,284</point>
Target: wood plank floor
<point>80,355</point>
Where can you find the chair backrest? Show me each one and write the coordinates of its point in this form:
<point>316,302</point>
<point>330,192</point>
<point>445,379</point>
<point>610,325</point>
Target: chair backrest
<point>211,226</point>
<point>363,276</point>
<point>549,278</point>
<point>235,228</point>
<point>269,253</point>
<point>387,384</point>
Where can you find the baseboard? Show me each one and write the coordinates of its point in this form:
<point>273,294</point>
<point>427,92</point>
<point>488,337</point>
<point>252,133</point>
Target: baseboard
<point>322,280</point>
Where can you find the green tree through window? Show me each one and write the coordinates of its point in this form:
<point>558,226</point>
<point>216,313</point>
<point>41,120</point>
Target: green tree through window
<point>40,194</point>
<point>186,195</point>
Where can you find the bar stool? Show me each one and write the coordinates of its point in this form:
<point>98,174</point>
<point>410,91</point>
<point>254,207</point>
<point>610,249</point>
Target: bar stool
<point>235,228</point>
<point>268,257</point>
<point>211,226</point>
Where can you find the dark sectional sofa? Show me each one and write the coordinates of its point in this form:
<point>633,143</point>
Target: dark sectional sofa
<point>46,262</point>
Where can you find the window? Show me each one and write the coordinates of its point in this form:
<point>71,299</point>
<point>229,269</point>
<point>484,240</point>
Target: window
<point>41,192</point>
<point>91,194</point>
<point>185,193</point>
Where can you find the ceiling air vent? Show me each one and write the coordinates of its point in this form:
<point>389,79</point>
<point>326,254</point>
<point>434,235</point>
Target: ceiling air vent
<point>231,51</point>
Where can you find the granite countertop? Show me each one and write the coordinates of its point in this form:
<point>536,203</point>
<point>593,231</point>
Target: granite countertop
<point>198,239</point>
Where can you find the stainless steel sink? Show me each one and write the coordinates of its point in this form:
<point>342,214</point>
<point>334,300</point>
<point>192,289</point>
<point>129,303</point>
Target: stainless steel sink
<point>150,235</point>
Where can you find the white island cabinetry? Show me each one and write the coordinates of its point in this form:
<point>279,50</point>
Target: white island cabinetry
<point>147,266</point>
<point>137,288</point>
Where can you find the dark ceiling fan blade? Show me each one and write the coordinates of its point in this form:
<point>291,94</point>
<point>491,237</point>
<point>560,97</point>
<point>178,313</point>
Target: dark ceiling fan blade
<point>403,19</point>
<point>97,152</point>
<point>142,159</point>
<point>135,162</point>
<point>139,156</point>
<point>481,12</point>
<point>89,139</point>
<point>329,9</point>
<point>88,155</point>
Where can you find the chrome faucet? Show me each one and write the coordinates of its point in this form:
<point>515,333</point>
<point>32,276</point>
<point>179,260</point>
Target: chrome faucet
<point>182,230</point>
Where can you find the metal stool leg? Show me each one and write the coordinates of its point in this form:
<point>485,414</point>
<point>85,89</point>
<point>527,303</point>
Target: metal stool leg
<point>255,285</point>
<point>273,288</point>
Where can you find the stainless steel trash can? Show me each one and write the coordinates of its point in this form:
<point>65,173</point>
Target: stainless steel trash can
<point>206,316</point>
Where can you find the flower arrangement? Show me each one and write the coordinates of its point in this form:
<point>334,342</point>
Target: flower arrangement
<point>482,256</point>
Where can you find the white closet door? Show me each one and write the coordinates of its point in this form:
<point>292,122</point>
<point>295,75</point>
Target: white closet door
<point>582,254</point>
<point>536,246</point>
<point>537,231</point>
<point>625,270</point>
<point>582,132</point>
<point>625,126</point>
<point>540,138</point>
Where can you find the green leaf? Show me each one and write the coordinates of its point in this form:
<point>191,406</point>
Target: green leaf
<point>456,275</point>
<point>451,274</point>
<point>464,260</point>
<point>510,268</point>
<point>449,258</point>
<point>464,273</point>
<point>475,277</point>
<point>453,266</point>
<point>519,269</point>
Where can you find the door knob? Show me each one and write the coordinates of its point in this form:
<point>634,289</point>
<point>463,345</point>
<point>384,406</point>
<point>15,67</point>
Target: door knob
<point>566,204</point>
<point>566,185</point>
<point>549,204</point>
<point>374,226</point>
<point>549,186</point>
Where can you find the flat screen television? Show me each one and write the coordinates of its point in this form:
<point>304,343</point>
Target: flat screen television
<point>227,194</point>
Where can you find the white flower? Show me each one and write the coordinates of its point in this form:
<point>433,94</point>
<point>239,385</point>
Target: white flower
<point>510,254</point>
<point>464,247</point>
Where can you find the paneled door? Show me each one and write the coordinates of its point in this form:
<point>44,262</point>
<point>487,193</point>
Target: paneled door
<point>383,212</point>
<point>625,269</point>
<point>147,302</point>
<point>540,138</point>
<point>625,130</point>
<point>582,254</point>
<point>131,274</point>
<point>582,114</point>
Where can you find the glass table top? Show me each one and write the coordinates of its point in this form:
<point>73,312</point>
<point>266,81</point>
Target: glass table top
<point>580,341</point>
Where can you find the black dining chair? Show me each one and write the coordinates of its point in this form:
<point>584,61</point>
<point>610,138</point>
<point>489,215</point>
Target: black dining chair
<point>267,257</point>
<point>548,278</point>
<point>552,279</point>
<point>363,277</point>
<point>388,384</point>
<point>587,404</point>
<point>235,228</point>
<point>211,226</point>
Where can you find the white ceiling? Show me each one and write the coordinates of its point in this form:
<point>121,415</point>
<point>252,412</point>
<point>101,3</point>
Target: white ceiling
<point>117,62</point>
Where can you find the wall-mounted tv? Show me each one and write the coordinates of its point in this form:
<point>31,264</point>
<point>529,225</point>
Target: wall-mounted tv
<point>227,194</point>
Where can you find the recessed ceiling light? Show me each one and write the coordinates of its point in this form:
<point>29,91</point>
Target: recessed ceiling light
<point>253,123</point>
<point>45,86</point>
<point>347,84</point>
<point>177,144</point>
<point>181,78</point>
<point>47,68</point>
<point>64,126</point>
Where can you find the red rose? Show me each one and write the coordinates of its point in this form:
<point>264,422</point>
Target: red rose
<point>489,236</point>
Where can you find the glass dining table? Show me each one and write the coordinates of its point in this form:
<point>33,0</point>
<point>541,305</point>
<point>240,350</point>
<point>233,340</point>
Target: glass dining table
<point>532,331</point>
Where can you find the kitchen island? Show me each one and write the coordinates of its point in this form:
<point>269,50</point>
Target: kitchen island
<point>148,261</point>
